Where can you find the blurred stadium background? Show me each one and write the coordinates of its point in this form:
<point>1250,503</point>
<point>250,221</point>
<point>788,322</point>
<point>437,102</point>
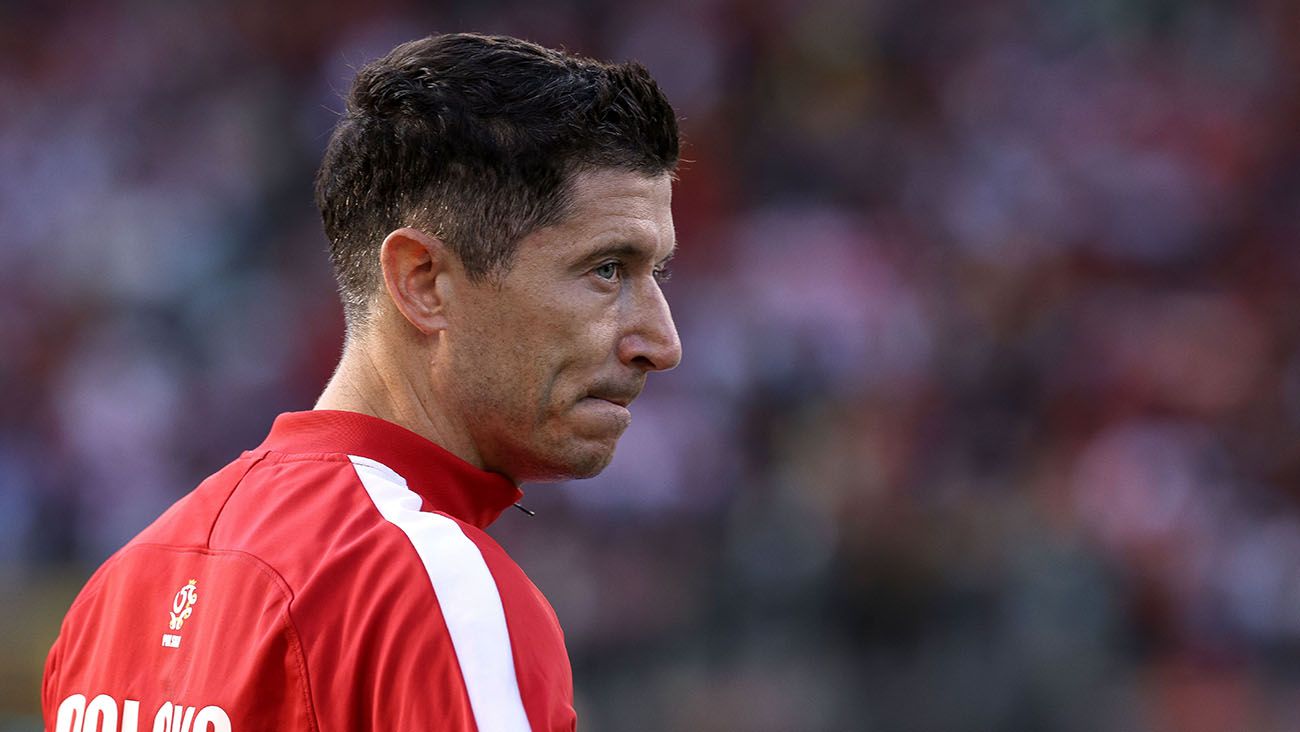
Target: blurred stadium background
<point>989,417</point>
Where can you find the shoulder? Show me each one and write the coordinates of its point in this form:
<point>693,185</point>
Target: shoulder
<point>470,578</point>
<point>411,599</point>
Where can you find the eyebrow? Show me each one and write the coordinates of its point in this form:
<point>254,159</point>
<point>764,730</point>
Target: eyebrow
<point>628,250</point>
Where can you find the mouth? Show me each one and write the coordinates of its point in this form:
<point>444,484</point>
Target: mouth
<point>616,392</point>
<point>609,411</point>
<point>616,395</point>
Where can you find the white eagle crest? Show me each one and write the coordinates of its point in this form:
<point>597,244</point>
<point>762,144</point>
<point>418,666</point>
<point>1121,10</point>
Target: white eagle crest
<point>183,604</point>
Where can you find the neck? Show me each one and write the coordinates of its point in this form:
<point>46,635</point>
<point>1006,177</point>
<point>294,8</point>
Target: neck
<point>380,380</point>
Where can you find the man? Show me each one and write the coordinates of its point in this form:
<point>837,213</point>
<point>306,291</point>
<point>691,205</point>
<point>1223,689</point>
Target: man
<point>499,222</point>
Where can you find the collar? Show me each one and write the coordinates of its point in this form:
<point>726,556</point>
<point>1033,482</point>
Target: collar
<point>445,482</point>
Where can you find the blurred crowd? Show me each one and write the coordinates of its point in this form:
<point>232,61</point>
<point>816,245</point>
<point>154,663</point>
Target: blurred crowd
<point>989,415</point>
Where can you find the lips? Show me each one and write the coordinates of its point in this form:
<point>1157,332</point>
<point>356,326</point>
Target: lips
<point>622,396</point>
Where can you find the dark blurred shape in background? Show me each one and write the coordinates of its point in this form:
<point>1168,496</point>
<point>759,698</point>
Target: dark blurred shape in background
<point>989,417</point>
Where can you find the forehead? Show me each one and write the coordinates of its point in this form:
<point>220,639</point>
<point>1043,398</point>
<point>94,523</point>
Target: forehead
<point>619,193</point>
<point>609,205</point>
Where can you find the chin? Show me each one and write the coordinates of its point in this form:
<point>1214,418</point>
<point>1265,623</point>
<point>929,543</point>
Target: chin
<point>591,468</point>
<point>574,464</point>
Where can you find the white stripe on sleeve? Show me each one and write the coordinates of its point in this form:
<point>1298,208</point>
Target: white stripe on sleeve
<point>470,601</point>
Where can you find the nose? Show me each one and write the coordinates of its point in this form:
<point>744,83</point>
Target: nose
<point>650,343</point>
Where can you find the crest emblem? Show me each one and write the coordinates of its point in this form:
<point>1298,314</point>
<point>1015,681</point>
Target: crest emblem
<point>182,609</point>
<point>183,604</point>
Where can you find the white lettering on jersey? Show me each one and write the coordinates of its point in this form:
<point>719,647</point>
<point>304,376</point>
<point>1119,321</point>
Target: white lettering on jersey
<point>72,712</point>
<point>173,718</point>
<point>213,717</point>
<point>102,714</point>
<point>162,721</point>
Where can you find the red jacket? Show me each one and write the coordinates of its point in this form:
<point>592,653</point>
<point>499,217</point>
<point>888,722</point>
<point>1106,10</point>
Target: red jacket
<point>336,578</point>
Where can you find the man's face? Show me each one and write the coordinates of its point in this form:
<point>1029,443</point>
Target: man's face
<point>543,363</point>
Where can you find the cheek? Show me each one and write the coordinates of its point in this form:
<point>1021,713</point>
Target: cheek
<point>576,360</point>
<point>562,351</point>
<point>534,357</point>
<point>507,377</point>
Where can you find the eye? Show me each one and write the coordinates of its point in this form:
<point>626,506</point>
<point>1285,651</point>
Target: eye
<point>607,271</point>
<point>663,274</point>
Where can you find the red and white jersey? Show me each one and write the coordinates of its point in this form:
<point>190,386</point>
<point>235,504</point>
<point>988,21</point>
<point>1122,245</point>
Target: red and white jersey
<point>335,578</point>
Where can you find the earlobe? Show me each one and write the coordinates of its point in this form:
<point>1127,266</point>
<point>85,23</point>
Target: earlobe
<point>416,270</point>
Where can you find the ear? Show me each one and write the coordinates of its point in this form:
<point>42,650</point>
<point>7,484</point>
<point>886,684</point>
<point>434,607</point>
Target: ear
<point>417,271</point>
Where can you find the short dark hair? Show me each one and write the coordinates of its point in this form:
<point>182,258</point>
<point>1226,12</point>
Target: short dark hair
<point>476,140</point>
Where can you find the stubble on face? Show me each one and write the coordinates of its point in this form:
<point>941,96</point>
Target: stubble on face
<point>534,357</point>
